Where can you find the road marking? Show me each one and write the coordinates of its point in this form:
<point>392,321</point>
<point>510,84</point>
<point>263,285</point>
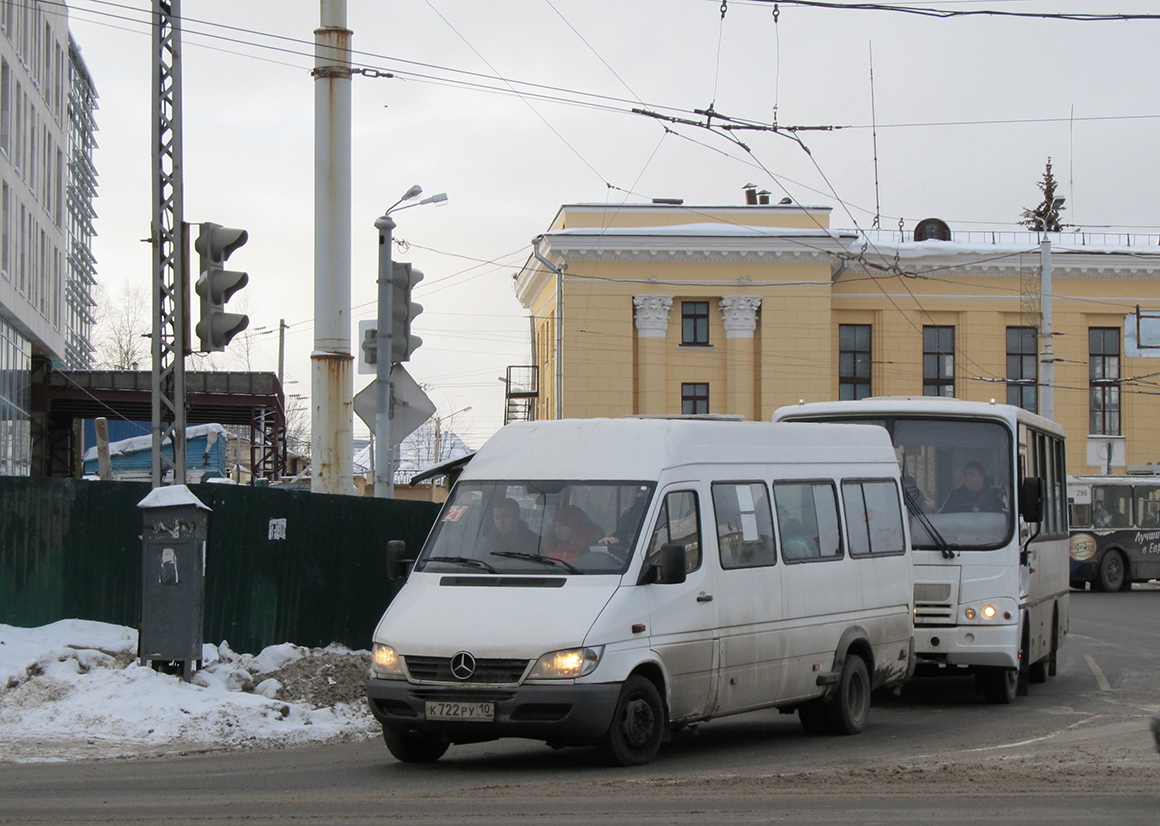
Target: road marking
<point>1100,678</point>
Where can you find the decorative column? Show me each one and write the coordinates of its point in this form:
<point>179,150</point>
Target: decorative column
<point>739,313</point>
<point>652,320</point>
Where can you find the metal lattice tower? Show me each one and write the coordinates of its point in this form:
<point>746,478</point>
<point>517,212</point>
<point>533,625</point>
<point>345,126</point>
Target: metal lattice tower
<point>1030,287</point>
<point>169,248</point>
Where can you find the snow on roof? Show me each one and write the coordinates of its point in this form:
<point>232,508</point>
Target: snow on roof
<point>171,496</point>
<point>710,229</point>
<point>136,444</point>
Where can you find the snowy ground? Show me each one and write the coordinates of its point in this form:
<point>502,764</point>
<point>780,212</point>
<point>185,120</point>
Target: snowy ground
<point>72,690</point>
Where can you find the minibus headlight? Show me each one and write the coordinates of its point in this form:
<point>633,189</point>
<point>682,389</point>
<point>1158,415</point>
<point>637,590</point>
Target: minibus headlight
<point>567,664</point>
<point>989,612</point>
<point>386,663</point>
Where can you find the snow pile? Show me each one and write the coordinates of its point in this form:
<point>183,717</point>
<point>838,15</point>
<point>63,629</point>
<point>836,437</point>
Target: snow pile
<point>73,689</point>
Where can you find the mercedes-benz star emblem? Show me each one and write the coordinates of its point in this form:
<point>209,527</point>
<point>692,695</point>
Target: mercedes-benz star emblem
<point>462,666</point>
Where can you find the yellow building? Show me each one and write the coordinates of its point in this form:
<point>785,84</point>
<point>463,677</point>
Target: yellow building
<point>738,310</point>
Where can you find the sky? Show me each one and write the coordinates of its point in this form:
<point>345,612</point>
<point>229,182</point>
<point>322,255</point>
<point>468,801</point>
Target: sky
<point>72,690</point>
<point>517,107</point>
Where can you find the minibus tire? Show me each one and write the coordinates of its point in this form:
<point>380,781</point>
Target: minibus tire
<point>638,724</point>
<point>848,710</point>
<point>414,746</point>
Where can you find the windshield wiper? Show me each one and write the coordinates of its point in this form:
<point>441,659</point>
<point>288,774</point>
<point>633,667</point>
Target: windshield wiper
<point>466,562</point>
<point>914,504</point>
<point>545,560</point>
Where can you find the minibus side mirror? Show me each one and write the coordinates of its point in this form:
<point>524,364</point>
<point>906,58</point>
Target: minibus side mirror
<point>1031,495</point>
<point>672,568</point>
<point>398,566</point>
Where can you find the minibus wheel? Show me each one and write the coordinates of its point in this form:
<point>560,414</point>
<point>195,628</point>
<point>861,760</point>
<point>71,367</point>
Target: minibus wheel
<point>638,724</point>
<point>847,712</point>
<point>414,746</point>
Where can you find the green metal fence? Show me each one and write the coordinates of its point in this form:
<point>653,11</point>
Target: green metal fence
<point>281,566</point>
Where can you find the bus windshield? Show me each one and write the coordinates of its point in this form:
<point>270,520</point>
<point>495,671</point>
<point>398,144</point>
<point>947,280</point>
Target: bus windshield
<point>957,477</point>
<point>537,527</point>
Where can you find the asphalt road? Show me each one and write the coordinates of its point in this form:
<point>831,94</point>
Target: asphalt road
<point>1076,750</point>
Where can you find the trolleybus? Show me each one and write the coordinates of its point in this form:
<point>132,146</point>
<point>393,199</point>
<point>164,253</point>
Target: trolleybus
<point>1115,530</point>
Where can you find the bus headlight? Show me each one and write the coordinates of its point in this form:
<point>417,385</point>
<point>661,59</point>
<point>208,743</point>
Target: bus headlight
<point>987,612</point>
<point>386,663</point>
<point>567,664</point>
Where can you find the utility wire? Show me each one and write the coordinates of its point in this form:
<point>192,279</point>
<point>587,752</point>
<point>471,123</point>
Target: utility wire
<point>922,11</point>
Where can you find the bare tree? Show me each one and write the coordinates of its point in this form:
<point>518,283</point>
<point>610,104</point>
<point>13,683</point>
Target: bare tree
<point>122,327</point>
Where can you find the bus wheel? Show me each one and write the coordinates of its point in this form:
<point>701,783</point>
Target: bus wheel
<point>999,685</point>
<point>1110,576</point>
<point>850,707</point>
<point>1053,660</point>
<point>638,724</point>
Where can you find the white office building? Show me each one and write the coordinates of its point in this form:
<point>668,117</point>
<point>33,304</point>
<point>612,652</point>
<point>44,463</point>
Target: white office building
<point>47,188</point>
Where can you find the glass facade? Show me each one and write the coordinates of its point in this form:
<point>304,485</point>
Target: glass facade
<point>15,390</point>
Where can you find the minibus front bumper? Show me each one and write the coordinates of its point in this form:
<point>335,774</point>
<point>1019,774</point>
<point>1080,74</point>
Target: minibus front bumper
<point>557,714</point>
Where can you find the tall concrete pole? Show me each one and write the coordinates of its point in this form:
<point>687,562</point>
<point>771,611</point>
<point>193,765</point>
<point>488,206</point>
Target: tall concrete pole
<point>1048,357</point>
<point>332,373</point>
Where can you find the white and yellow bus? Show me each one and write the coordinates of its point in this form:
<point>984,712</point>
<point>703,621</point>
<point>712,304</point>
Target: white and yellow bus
<point>985,487</point>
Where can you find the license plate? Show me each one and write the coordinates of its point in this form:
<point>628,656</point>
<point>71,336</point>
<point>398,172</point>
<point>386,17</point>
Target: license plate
<point>482,712</point>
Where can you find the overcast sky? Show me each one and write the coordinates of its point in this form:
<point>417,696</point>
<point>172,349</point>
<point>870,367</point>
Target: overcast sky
<point>967,111</point>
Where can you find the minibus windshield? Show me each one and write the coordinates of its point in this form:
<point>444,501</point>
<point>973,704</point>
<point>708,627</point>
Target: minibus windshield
<point>537,527</point>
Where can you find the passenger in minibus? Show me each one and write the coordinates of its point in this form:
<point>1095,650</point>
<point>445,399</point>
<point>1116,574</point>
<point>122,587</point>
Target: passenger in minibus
<point>508,531</point>
<point>573,533</point>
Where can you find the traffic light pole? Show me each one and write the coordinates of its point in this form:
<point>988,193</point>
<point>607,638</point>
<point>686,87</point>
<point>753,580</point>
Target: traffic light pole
<point>170,251</point>
<point>384,456</point>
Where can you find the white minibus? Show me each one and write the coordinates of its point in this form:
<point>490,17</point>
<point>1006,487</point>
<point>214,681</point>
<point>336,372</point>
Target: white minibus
<point>603,582</point>
<point>985,486</point>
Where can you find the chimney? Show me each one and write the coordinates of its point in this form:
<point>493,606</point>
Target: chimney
<point>763,197</point>
<point>751,194</point>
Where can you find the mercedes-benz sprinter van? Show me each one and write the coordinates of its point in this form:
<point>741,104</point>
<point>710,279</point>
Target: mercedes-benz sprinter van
<point>602,582</point>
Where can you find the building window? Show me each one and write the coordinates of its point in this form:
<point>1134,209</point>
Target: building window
<point>1023,368</point>
<point>938,361</point>
<point>1104,375</point>
<point>695,322</point>
<point>694,398</point>
<point>853,361</point>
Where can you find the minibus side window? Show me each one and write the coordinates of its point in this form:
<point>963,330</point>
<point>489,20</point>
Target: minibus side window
<point>678,523</point>
<point>807,517</point>
<point>744,524</point>
<point>873,517</point>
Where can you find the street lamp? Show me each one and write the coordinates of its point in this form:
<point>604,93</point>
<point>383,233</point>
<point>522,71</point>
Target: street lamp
<point>384,472</point>
<point>439,431</point>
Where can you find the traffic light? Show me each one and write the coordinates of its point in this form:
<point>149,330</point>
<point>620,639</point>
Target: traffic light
<point>403,311</point>
<point>216,284</point>
<point>368,354</point>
